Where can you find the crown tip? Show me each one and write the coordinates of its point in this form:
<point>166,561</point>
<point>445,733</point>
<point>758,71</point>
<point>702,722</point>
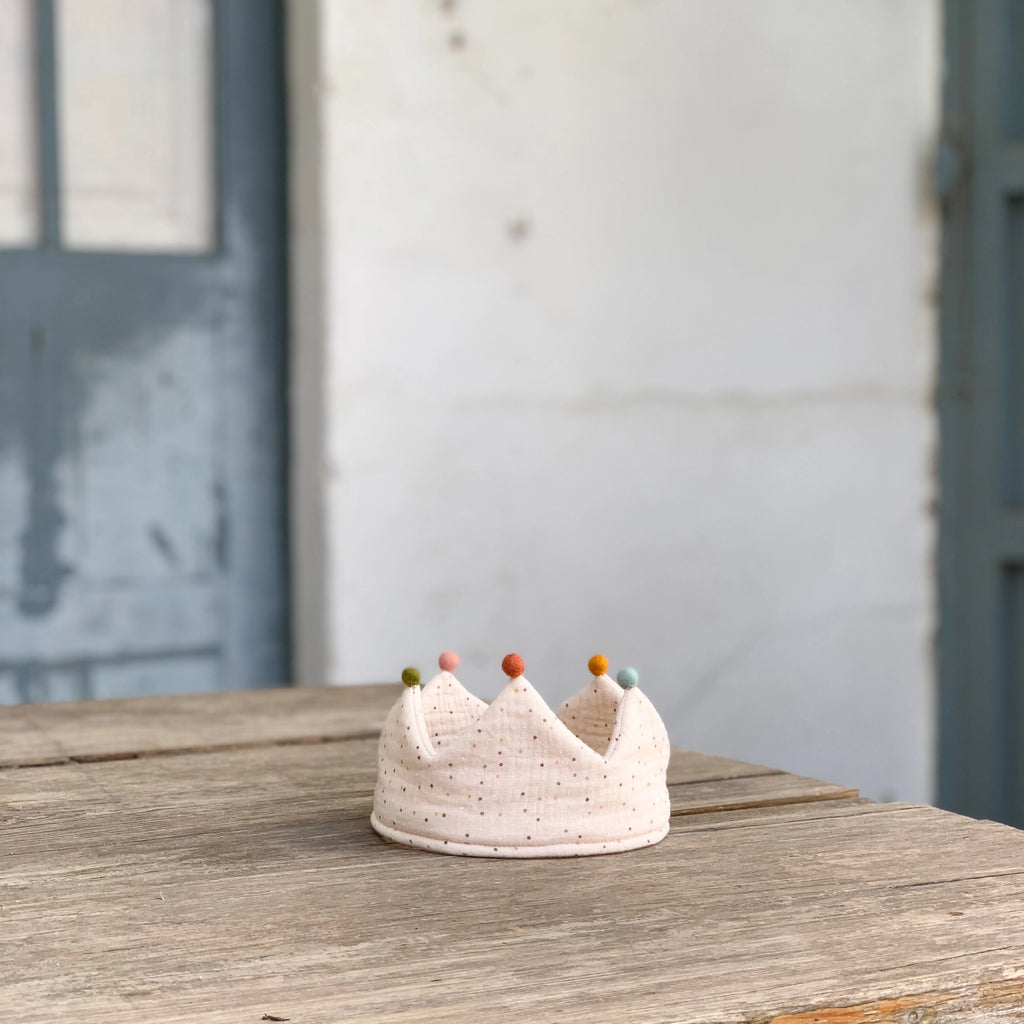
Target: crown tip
<point>513,666</point>
<point>598,665</point>
<point>448,662</point>
<point>628,678</point>
<point>411,676</point>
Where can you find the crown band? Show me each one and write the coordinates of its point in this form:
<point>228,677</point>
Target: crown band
<point>513,779</point>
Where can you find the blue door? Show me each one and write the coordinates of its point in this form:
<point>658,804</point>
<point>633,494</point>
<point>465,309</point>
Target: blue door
<point>982,404</point>
<point>142,356</point>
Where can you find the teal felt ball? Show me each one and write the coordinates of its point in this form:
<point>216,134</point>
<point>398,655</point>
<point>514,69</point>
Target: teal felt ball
<point>411,676</point>
<point>628,678</point>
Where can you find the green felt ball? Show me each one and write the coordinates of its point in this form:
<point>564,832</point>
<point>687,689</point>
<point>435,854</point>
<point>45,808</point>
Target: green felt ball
<point>411,676</point>
<point>628,678</point>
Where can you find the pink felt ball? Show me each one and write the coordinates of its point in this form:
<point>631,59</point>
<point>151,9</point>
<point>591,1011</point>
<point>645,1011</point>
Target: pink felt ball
<point>449,661</point>
<point>513,666</point>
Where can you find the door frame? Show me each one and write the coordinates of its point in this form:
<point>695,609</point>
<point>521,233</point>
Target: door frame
<point>309,175</point>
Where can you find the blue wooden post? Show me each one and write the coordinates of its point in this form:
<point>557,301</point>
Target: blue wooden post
<point>981,649</point>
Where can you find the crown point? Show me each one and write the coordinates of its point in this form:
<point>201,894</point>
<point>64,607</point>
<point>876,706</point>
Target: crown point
<point>448,662</point>
<point>411,676</point>
<point>598,665</point>
<point>628,678</point>
<point>512,666</point>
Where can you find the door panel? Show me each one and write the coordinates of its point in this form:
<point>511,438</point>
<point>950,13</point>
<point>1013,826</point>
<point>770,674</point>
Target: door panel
<point>142,519</point>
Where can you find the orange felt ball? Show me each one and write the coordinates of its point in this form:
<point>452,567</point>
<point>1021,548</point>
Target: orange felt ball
<point>598,665</point>
<point>512,666</point>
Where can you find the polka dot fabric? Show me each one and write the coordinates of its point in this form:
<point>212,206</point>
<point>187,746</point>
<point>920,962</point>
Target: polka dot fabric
<point>513,779</point>
<point>593,712</point>
<point>448,707</point>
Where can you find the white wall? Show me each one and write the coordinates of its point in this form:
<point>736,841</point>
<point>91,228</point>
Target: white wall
<point>629,341</point>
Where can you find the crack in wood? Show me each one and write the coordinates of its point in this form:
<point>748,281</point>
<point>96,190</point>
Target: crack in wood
<point>213,748</point>
<point>728,778</point>
<point>760,822</point>
<point>780,801</point>
<point>948,881</point>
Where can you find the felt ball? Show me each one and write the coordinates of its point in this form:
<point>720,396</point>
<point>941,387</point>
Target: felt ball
<point>628,678</point>
<point>448,662</point>
<point>512,666</point>
<point>411,676</point>
<point>598,665</point>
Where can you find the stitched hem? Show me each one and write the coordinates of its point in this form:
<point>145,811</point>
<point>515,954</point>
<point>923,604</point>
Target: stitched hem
<point>525,850</point>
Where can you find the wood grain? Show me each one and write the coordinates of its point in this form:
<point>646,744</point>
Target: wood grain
<point>40,734</point>
<point>349,767</point>
<point>35,734</point>
<point>760,790</point>
<point>981,1004</point>
<point>223,885</point>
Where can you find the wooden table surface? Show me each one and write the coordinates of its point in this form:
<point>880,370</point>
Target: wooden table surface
<point>201,859</point>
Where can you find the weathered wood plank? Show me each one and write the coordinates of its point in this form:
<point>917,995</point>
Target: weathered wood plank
<point>218,887</point>
<point>799,811</point>
<point>33,734</point>
<point>761,790</point>
<point>693,766</point>
<point>37,734</point>
<point>988,1003</point>
<point>698,783</point>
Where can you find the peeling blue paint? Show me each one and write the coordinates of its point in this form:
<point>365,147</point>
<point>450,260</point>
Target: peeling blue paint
<point>35,682</point>
<point>221,528</point>
<point>42,571</point>
<point>163,543</point>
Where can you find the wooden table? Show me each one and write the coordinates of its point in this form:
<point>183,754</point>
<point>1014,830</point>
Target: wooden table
<point>210,859</point>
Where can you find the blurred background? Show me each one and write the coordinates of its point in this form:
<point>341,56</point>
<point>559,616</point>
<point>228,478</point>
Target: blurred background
<point>333,335</point>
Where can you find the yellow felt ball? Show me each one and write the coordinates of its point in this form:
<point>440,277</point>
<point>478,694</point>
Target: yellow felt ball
<point>598,665</point>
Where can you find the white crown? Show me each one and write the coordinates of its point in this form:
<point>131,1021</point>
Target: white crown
<point>513,779</point>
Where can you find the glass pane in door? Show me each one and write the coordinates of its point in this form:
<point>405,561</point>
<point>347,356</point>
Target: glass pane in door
<point>19,198</point>
<point>135,102</point>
